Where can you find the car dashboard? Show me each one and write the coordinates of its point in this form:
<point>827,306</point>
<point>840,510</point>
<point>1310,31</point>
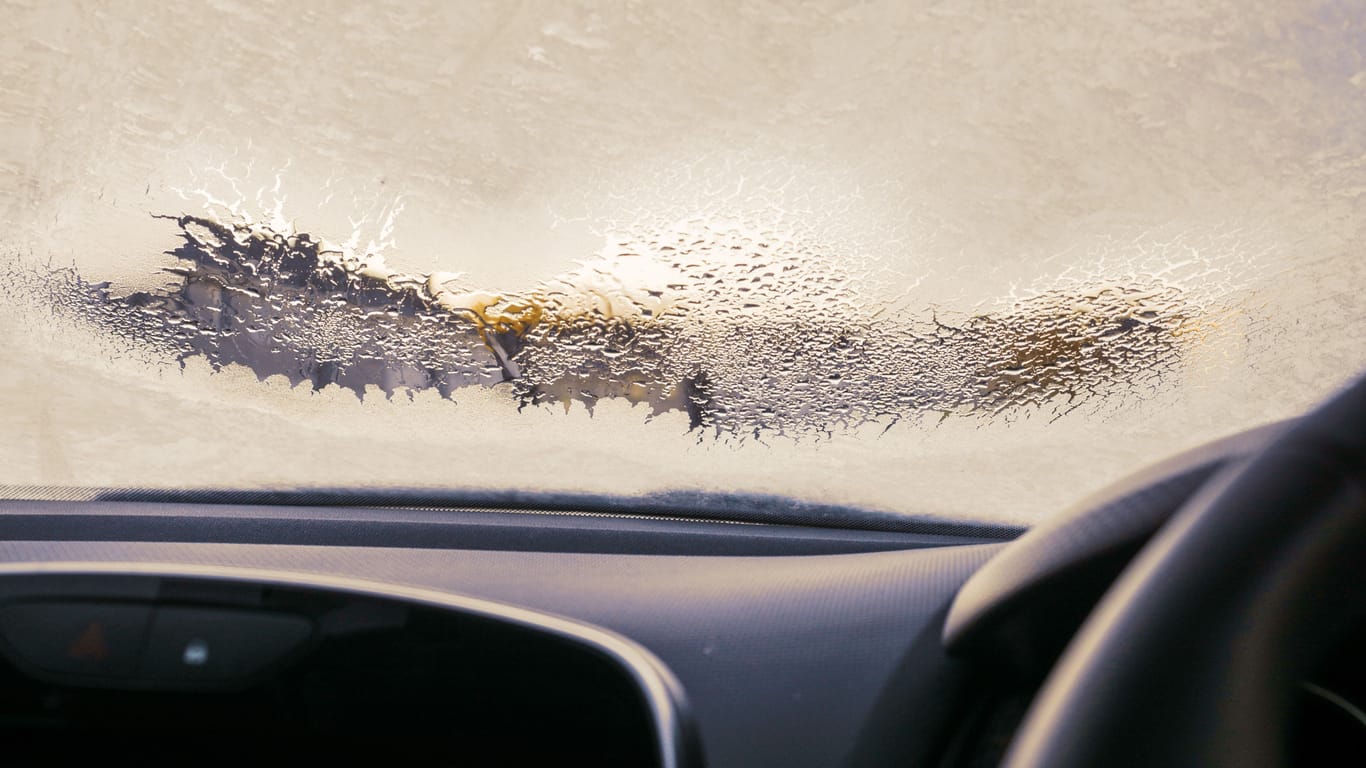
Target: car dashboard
<point>219,632</point>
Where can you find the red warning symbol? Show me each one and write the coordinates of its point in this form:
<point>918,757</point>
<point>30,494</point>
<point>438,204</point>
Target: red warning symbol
<point>90,646</point>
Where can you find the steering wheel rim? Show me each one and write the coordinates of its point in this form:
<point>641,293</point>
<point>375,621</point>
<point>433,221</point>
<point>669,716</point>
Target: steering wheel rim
<point>1193,655</point>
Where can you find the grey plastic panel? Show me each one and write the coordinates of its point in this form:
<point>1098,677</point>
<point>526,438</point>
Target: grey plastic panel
<point>782,659</point>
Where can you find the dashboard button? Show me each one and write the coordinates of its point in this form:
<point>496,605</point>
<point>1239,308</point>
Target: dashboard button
<point>205,645</point>
<point>76,639</point>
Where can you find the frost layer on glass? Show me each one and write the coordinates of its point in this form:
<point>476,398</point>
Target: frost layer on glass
<point>938,261</point>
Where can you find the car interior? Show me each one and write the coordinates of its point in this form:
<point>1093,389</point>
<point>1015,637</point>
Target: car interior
<point>1202,612</point>
<point>703,384</point>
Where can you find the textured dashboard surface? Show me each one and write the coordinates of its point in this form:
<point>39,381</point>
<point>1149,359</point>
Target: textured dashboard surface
<point>783,658</point>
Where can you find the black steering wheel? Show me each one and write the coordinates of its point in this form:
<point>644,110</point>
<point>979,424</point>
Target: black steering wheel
<point>1194,655</point>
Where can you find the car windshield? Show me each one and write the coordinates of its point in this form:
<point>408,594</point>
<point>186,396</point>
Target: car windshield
<point>962,261</point>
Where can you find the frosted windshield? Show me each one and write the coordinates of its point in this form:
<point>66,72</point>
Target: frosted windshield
<point>934,260</point>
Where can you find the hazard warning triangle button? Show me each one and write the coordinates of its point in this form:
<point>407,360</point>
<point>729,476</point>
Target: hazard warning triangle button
<point>87,640</point>
<point>91,645</point>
